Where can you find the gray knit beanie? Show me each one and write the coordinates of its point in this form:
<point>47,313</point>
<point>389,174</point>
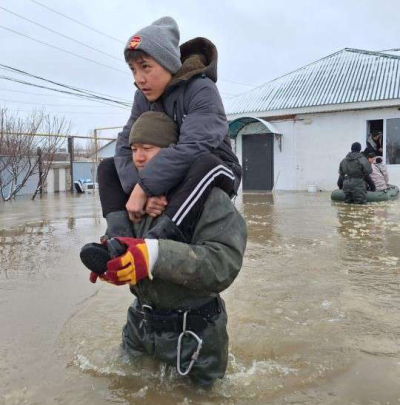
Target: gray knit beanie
<point>160,40</point>
<point>154,128</point>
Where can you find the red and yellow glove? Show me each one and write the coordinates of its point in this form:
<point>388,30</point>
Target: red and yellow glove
<point>94,276</point>
<point>132,266</point>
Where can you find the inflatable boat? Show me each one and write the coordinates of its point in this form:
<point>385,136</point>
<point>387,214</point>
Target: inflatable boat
<point>391,193</point>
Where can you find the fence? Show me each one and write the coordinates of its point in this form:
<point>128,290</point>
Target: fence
<point>70,169</point>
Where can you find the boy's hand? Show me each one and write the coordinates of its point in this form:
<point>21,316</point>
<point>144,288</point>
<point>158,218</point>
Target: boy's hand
<point>156,205</point>
<point>136,203</point>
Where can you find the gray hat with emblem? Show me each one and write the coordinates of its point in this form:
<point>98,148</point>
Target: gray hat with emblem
<point>160,40</point>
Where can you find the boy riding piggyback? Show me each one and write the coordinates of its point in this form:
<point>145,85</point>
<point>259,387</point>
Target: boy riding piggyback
<point>179,81</point>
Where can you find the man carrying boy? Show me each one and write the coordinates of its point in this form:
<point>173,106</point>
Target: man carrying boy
<point>178,315</point>
<point>181,83</point>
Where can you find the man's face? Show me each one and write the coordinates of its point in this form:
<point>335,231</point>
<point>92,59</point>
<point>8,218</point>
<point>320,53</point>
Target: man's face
<point>143,153</point>
<point>150,77</point>
<point>371,160</point>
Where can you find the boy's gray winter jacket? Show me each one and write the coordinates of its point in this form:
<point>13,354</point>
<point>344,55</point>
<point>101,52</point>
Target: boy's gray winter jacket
<point>193,101</point>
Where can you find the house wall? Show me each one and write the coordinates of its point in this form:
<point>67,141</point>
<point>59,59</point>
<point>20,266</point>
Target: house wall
<point>30,185</point>
<point>62,180</point>
<point>50,182</point>
<point>56,180</point>
<point>314,144</point>
<point>85,170</point>
<point>107,151</point>
<point>284,160</point>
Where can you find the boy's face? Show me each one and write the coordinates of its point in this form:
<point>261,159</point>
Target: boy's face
<point>150,77</point>
<point>143,153</point>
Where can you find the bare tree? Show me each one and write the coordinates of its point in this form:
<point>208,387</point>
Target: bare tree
<point>47,149</point>
<point>20,141</point>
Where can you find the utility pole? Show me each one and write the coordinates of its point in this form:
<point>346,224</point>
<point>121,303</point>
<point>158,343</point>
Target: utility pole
<point>95,138</point>
<point>39,154</point>
<point>71,160</point>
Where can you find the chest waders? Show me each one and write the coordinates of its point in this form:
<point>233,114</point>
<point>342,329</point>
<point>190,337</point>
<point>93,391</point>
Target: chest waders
<point>186,323</point>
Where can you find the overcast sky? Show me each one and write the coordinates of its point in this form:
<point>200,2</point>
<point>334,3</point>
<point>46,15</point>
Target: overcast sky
<point>257,41</point>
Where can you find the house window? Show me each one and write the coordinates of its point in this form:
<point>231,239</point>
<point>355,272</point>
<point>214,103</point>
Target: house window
<point>374,141</point>
<point>393,141</point>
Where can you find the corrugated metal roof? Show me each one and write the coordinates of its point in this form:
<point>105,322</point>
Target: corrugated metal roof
<point>347,76</point>
<point>395,52</point>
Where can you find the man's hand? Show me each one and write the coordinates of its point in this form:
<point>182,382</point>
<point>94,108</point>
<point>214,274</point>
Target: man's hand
<point>155,206</point>
<point>132,266</point>
<point>136,203</point>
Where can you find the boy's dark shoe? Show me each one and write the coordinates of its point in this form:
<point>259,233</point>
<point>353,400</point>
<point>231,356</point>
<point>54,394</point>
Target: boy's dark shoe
<point>95,255</point>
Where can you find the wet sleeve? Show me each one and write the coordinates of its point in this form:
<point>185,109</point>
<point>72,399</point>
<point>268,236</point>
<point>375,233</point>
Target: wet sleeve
<point>123,154</point>
<point>202,130</point>
<point>214,259</point>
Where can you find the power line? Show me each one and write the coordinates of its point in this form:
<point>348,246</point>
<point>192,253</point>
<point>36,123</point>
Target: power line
<point>62,35</point>
<point>70,112</point>
<point>65,51</point>
<point>77,22</point>
<point>118,40</point>
<point>38,94</point>
<point>57,105</point>
<point>82,96</point>
<point>92,94</point>
<point>241,84</point>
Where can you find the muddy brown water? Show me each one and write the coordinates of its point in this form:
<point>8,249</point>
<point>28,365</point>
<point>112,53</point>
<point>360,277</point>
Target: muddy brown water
<point>314,316</point>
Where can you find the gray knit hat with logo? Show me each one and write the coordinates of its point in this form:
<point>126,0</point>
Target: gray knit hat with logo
<point>160,40</point>
<point>154,128</point>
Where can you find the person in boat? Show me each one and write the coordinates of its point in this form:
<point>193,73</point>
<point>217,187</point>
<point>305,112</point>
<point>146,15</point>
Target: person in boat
<point>379,173</point>
<point>374,144</point>
<point>178,315</point>
<point>354,176</point>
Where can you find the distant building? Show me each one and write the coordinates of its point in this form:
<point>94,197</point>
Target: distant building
<point>108,150</point>
<point>293,131</point>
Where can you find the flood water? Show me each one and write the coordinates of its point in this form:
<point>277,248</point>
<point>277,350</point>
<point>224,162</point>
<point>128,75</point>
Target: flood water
<point>314,316</point>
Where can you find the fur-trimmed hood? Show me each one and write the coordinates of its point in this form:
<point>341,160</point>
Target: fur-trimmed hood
<point>199,55</point>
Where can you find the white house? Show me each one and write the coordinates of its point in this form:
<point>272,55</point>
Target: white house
<point>293,131</point>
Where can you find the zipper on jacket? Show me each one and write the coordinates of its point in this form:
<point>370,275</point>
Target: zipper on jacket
<point>175,114</point>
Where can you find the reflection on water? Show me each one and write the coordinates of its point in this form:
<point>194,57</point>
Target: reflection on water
<point>313,316</point>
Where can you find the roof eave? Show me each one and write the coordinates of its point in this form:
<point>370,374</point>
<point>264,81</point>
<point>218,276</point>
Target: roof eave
<point>364,105</point>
